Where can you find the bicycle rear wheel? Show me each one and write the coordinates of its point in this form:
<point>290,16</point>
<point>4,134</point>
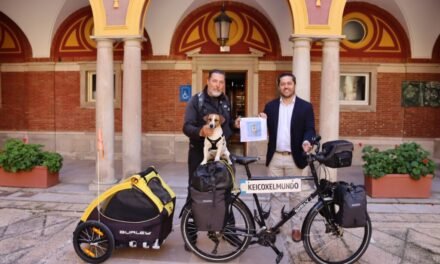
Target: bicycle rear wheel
<point>224,245</point>
<point>325,244</point>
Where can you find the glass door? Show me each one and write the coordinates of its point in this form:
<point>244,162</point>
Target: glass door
<point>236,92</point>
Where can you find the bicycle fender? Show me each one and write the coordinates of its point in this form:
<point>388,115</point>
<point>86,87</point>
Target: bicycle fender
<point>316,207</point>
<point>238,200</point>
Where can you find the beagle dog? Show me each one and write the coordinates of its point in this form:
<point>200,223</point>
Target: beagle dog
<point>215,144</point>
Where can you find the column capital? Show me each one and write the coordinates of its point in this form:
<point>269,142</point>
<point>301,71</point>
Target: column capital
<point>303,37</point>
<point>102,38</point>
<point>135,38</point>
<point>133,42</point>
<point>104,43</point>
<point>337,38</point>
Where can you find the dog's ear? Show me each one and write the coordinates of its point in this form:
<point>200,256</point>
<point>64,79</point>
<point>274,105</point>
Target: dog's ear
<point>222,119</point>
<point>205,118</point>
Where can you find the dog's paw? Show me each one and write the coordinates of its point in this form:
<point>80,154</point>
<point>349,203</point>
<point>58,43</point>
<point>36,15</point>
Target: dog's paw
<point>203,162</point>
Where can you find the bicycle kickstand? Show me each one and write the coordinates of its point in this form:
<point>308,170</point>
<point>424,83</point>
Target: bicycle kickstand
<point>280,254</point>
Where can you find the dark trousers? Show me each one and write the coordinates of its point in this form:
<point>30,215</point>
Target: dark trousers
<point>195,157</point>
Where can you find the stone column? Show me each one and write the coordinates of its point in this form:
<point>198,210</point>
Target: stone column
<point>329,104</point>
<point>301,65</point>
<point>105,128</point>
<point>132,108</point>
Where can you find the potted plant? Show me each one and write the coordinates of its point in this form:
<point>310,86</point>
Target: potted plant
<point>402,172</point>
<point>27,165</point>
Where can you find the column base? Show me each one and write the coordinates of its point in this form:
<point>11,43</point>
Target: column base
<point>93,186</point>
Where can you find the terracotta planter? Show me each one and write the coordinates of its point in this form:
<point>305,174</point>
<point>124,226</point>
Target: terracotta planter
<point>38,177</point>
<point>398,186</point>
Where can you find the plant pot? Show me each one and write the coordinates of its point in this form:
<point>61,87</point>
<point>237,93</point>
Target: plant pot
<point>398,186</point>
<point>38,177</point>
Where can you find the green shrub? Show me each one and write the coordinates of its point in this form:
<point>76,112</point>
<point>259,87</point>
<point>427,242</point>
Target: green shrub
<point>18,156</point>
<point>407,158</point>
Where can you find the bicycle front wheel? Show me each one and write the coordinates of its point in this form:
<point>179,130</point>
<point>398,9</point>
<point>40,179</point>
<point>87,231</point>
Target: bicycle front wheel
<point>224,245</point>
<point>327,244</point>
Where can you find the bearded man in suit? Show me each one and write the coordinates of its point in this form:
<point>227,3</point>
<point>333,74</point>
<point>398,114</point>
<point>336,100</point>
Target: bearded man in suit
<point>291,127</point>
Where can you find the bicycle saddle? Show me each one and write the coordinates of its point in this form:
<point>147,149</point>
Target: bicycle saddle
<point>244,160</point>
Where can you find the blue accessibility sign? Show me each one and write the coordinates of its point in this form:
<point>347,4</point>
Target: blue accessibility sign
<point>185,93</point>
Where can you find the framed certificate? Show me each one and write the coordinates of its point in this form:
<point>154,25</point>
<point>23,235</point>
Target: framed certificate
<point>253,129</point>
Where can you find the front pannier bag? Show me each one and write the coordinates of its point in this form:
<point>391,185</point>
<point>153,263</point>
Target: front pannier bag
<point>338,153</point>
<point>210,191</point>
<point>352,202</point>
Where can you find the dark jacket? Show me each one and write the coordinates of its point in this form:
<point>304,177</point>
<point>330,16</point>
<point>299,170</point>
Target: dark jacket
<point>302,127</point>
<point>196,110</point>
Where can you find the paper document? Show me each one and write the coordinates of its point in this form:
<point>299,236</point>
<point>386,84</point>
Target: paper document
<point>253,129</point>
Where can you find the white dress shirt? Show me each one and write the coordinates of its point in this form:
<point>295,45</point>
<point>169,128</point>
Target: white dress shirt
<point>284,120</point>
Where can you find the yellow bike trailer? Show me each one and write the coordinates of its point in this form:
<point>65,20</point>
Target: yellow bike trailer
<point>137,212</point>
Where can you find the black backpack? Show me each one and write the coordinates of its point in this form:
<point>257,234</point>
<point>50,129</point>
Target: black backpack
<point>215,175</point>
<point>352,202</point>
<point>210,191</point>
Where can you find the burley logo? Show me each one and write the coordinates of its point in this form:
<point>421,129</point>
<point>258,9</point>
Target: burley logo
<point>270,186</point>
<point>134,232</point>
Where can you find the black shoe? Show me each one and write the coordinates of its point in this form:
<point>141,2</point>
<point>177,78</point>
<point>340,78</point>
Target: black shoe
<point>186,247</point>
<point>192,237</point>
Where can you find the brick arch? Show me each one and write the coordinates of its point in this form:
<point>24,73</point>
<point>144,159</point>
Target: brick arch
<point>14,45</point>
<point>385,37</point>
<point>73,42</point>
<point>436,50</point>
<point>250,29</point>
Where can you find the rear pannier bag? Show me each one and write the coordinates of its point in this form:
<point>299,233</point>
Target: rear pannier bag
<point>352,202</point>
<point>142,213</point>
<point>209,209</point>
<point>338,153</point>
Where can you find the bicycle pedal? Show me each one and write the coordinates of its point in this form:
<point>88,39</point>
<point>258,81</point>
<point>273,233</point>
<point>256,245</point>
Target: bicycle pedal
<point>279,257</point>
<point>283,213</point>
<point>256,218</point>
<point>266,214</point>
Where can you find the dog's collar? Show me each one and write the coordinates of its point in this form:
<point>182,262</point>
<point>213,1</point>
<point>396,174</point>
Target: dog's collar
<point>214,142</point>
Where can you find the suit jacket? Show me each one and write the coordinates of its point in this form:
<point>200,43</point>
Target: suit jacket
<point>302,127</point>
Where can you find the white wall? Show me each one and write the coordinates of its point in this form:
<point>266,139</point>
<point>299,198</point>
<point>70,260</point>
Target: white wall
<point>161,20</point>
<point>40,19</point>
<point>423,20</point>
<point>36,19</point>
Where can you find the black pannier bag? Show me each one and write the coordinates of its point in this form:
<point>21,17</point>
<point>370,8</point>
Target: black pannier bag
<point>352,202</point>
<point>210,193</point>
<point>337,153</point>
<point>209,209</point>
<point>215,174</point>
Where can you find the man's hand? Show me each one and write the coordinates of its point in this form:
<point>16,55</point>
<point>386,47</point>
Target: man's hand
<point>237,122</point>
<point>262,115</point>
<point>206,131</point>
<point>307,147</point>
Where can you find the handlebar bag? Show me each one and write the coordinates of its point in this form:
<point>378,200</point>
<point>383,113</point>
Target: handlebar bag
<point>352,202</point>
<point>338,153</point>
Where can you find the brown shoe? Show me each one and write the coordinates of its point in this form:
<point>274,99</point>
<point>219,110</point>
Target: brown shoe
<point>296,235</point>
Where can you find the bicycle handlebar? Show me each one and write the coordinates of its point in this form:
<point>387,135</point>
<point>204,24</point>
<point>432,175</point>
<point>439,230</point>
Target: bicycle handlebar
<point>318,156</point>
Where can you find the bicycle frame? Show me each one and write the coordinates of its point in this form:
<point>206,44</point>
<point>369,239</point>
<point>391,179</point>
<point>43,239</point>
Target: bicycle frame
<point>286,216</point>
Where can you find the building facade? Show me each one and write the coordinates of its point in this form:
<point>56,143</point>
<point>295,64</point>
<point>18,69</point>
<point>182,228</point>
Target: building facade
<point>370,68</point>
